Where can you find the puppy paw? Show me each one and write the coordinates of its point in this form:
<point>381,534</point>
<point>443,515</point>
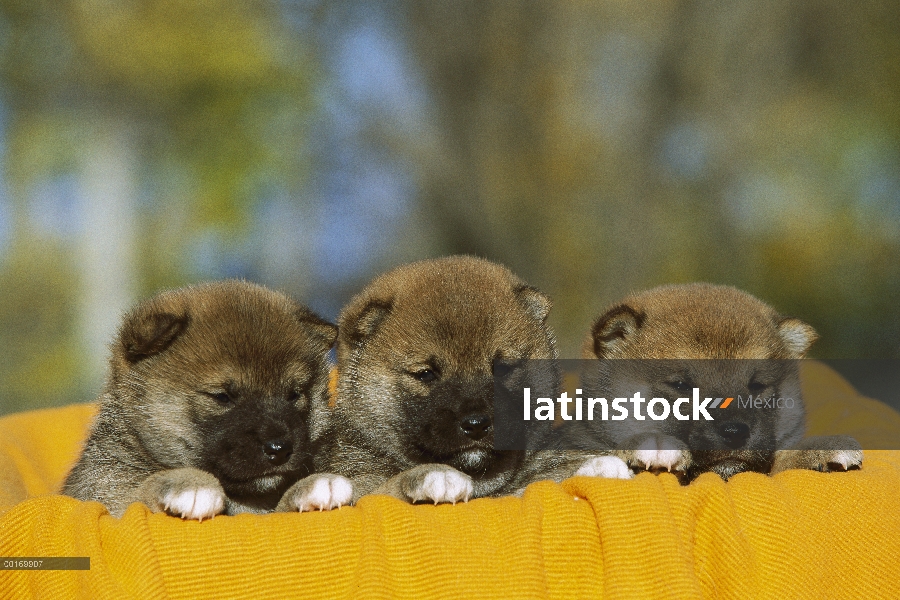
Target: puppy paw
<point>195,503</point>
<point>657,454</point>
<point>186,493</point>
<point>438,484</point>
<point>822,453</point>
<point>840,460</point>
<point>323,491</point>
<point>609,467</point>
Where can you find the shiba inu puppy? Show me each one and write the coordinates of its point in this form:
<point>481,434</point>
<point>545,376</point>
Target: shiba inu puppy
<point>207,406</point>
<point>417,353</point>
<point>696,323</point>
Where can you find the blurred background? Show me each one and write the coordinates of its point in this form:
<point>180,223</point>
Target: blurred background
<point>595,148</point>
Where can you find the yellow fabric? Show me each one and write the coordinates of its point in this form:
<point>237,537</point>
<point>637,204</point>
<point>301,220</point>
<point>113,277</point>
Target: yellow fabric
<point>800,534</point>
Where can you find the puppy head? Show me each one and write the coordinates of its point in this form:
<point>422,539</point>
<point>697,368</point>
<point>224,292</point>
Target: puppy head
<point>696,320</point>
<point>702,321</point>
<point>222,377</point>
<point>417,353</point>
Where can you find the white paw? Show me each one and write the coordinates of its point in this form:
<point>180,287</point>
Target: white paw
<point>197,503</point>
<point>444,486</point>
<point>609,467</point>
<point>324,493</point>
<point>658,459</point>
<point>848,459</point>
<point>663,453</point>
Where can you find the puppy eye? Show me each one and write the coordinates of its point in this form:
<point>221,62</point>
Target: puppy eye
<point>681,385</point>
<point>294,395</point>
<point>502,369</point>
<point>222,398</point>
<point>425,375</point>
<point>756,386</point>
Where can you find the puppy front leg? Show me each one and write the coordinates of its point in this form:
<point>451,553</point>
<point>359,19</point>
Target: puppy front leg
<point>436,483</point>
<point>657,453</point>
<point>605,466</point>
<point>322,491</point>
<point>187,493</point>
<point>557,465</point>
<point>824,453</point>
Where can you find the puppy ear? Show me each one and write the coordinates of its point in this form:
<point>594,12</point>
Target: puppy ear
<point>319,329</point>
<point>796,335</point>
<point>149,333</point>
<point>364,322</point>
<point>614,327</point>
<point>536,302</point>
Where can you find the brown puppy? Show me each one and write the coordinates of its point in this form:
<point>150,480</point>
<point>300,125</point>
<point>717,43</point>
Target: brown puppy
<point>207,405</point>
<point>703,321</point>
<point>417,353</point>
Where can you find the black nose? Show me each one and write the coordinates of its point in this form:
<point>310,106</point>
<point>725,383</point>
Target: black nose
<point>734,433</point>
<point>278,451</point>
<point>476,426</point>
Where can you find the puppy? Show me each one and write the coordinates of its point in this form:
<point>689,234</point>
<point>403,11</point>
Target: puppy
<point>417,353</point>
<point>207,406</point>
<point>702,321</point>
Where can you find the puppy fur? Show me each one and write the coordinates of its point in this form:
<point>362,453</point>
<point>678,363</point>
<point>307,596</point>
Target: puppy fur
<point>416,355</point>
<point>704,321</point>
<point>208,403</point>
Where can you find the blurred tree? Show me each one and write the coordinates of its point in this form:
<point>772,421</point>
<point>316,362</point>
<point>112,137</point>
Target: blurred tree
<point>595,148</point>
<point>602,147</point>
<point>199,105</point>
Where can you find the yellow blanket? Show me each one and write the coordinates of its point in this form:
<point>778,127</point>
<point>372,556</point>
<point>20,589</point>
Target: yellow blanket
<point>800,534</point>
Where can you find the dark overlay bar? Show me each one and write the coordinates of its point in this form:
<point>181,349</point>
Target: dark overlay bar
<point>716,405</point>
<point>45,563</point>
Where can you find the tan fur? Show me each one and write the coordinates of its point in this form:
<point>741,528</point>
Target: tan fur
<point>201,379</point>
<point>399,433</point>
<point>704,321</point>
<point>696,320</point>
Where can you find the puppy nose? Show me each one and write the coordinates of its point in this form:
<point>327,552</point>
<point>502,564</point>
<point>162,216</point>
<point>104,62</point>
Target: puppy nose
<point>476,426</point>
<point>278,451</point>
<point>734,433</point>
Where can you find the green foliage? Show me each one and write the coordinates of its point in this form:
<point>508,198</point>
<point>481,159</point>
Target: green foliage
<point>221,87</point>
<point>210,100</point>
<point>600,148</point>
<point>39,366</point>
<point>595,148</point>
